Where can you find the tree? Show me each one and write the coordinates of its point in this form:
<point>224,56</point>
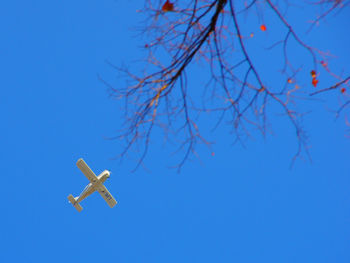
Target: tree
<point>183,35</point>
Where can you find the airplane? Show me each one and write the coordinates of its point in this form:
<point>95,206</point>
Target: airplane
<point>96,184</point>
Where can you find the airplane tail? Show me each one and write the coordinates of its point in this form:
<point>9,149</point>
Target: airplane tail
<point>73,201</point>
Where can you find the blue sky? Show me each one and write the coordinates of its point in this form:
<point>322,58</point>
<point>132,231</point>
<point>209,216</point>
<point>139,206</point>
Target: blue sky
<point>241,205</point>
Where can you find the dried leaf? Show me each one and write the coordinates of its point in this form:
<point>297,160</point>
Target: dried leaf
<point>168,6</point>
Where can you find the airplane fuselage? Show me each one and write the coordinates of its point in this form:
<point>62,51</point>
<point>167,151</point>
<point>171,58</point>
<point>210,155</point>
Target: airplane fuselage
<point>92,187</point>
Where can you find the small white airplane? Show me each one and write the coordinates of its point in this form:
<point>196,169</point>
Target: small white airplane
<point>96,184</point>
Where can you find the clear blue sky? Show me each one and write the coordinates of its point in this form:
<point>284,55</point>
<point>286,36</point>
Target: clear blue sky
<point>241,205</point>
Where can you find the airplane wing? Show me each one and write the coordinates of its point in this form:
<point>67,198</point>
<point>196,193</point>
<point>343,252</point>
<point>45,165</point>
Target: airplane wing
<point>107,196</point>
<point>86,170</point>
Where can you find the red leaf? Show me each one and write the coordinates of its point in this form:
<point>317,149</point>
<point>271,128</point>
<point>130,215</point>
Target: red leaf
<point>314,82</point>
<point>263,28</point>
<point>343,90</point>
<point>168,6</point>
